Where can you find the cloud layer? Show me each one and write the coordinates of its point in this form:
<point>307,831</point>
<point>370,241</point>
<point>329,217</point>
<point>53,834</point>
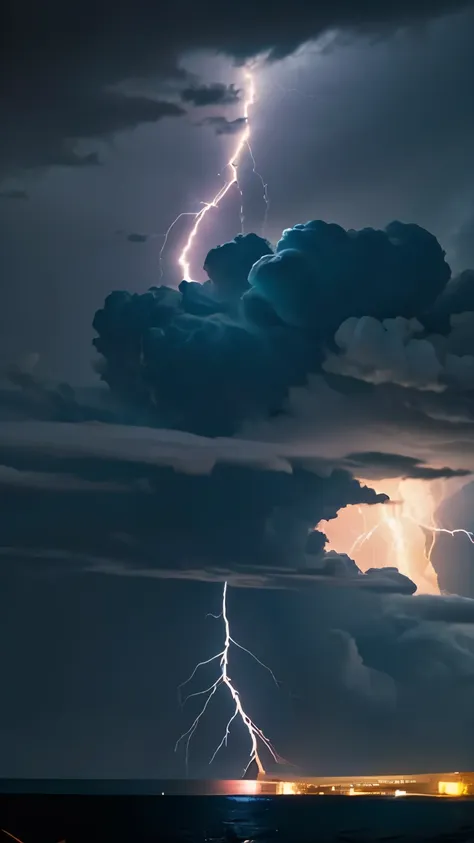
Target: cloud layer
<point>171,504</point>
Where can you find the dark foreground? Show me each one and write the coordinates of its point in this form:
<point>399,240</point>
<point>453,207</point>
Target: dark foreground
<point>195,819</point>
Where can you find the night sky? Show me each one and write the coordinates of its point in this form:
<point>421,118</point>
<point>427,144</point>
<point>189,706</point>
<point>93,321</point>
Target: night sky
<point>155,444</point>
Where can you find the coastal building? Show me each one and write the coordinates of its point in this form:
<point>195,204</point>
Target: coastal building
<point>424,784</point>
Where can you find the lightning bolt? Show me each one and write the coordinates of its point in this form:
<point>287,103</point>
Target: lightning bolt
<point>232,165</point>
<point>412,506</point>
<point>256,735</point>
<point>453,533</point>
<point>364,536</point>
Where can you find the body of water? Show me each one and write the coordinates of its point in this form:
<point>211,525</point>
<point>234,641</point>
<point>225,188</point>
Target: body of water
<point>120,818</point>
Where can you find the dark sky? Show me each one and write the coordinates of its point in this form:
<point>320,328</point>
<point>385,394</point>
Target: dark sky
<point>341,363</point>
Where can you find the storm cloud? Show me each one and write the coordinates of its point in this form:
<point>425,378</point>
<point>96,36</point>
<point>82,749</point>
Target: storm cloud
<point>232,356</point>
<point>121,485</point>
<point>170,503</point>
<point>268,322</point>
<point>234,418</point>
<point>223,126</point>
<point>73,98</point>
<point>215,94</point>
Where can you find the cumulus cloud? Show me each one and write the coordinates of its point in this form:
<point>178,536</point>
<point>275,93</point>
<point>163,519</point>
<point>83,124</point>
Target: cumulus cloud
<point>321,274</point>
<point>218,93</point>
<point>385,352</point>
<point>247,352</point>
<point>398,351</point>
<point>266,320</point>
<point>456,298</point>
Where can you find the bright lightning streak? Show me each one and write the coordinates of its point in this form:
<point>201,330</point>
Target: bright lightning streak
<point>167,234</point>
<point>264,188</point>
<point>232,165</point>
<point>363,538</point>
<point>400,543</point>
<point>255,733</point>
<point>453,533</point>
<point>408,524</point>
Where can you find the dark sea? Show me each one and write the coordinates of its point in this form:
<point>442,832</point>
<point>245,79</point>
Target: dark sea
<point>128,816</point>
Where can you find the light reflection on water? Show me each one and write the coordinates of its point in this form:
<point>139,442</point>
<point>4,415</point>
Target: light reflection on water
<point>305,819</point>
<point>249,798</point>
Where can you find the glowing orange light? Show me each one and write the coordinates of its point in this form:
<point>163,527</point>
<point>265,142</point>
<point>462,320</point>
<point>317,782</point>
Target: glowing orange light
<point>451,788</point>
<point>287,789</point>
<point>394,534</point>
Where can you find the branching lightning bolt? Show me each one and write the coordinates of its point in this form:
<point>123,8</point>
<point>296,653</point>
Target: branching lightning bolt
<point>255,733</point>
<point>232,166</point>
<point>413,506</point>
<point>452,533</point>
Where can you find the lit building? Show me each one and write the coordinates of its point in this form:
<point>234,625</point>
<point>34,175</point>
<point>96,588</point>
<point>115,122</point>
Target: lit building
<point>424,784</point>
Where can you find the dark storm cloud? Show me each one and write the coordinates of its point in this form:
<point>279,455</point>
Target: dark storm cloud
<point>398,465</point>
<point>395,639</point>
<point>208,358</point>
<point>237,354</point>
<point>263,321</point>
<point>222,126</point>
<point>65,117</point>
<point>23,396</point>
<point>171,503</point>
<point>442,609</point>
<point>456,298</point>
<point>186,357</point>
<point>58,92</point>
<point>336,274</point>
<point>216,94</point>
